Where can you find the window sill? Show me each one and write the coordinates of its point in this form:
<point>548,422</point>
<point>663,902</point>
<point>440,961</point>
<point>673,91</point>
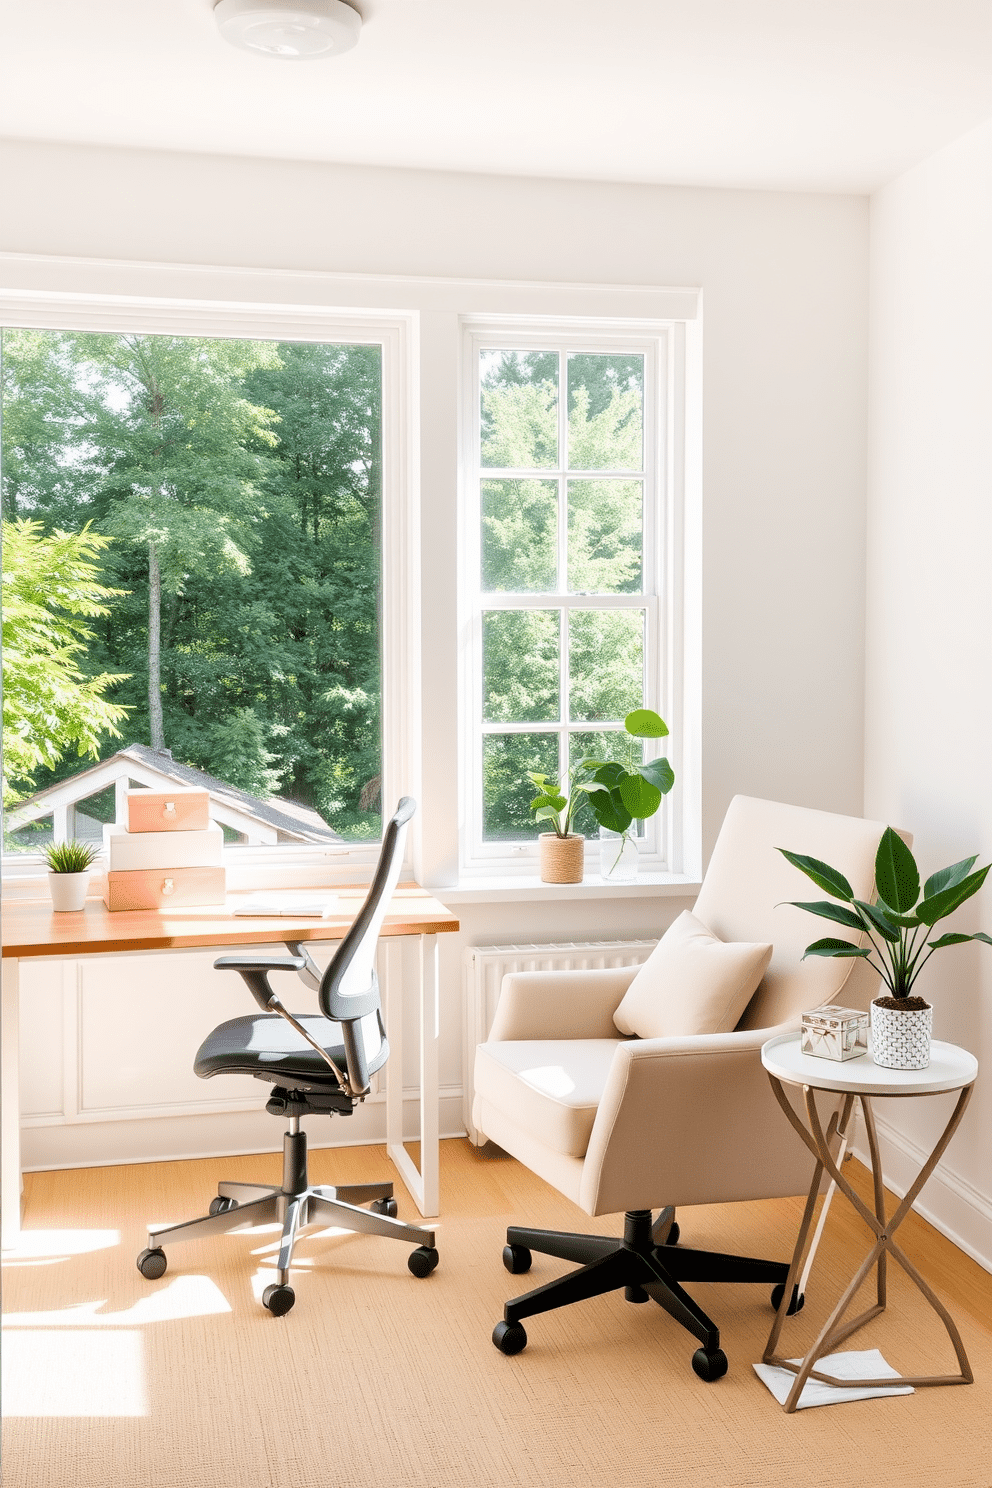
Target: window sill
<point>517,890</point>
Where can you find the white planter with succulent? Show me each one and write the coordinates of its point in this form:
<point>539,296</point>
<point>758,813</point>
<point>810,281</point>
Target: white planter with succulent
<point>617,793</point>
<point>897,925</point>
<point>69,865</point>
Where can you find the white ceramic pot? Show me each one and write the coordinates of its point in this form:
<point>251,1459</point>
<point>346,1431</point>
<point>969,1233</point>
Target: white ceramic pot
<point>617,856</point>
<point>68,890</point>
<point>901,1039</point>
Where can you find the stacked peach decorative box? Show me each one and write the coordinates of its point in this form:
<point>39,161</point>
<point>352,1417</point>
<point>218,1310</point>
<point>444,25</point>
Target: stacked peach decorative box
<point>167,852</point>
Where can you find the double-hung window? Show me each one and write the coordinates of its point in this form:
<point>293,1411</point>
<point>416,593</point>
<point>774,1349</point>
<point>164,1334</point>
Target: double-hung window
<point>568,595</point>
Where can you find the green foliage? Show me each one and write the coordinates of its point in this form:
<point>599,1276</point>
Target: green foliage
<point>628,790</point>
<point>617,792</point>
<point>898,923</point>
<point>249,474</point>
<point>234,750</point>
<point>53,702</point>
<point>70,857</point>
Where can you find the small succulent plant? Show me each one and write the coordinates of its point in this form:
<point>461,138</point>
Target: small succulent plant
<point>70,857</point>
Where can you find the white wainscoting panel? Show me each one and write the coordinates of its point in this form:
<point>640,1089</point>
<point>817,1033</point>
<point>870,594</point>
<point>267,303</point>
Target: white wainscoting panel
<point>107,1046</point>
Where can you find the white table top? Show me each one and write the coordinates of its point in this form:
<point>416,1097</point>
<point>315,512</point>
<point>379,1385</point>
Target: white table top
<point>949,1069</point>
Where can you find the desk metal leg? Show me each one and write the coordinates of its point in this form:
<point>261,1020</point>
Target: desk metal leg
<point>423,1183</point>
<point>10,1178</point>
<point>834,1332</point>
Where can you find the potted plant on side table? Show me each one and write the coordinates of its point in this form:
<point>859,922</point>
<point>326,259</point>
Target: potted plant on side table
<point>618,793</point>
<point>897,925</point>
<point>69,866</point>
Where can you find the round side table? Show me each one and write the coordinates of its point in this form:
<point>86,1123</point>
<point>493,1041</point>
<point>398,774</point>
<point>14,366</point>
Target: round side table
<point>860,1079</point>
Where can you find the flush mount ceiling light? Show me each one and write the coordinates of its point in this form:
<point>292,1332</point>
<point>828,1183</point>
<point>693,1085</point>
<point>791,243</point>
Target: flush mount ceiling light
<point>291,30</point>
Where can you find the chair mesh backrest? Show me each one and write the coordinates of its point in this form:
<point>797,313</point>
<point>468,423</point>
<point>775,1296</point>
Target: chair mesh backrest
<point>349,988</point>
<point>745,896</point>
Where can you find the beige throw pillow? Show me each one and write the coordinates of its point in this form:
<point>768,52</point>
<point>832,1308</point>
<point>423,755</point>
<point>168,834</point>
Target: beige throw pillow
<point>692,983</point>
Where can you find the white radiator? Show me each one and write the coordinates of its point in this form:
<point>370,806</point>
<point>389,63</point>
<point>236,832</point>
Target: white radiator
<point>486,966</point>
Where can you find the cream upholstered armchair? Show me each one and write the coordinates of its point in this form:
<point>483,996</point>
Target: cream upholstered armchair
<point>622,1123</point>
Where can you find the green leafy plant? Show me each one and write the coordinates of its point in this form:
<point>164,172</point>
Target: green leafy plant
<point>898,923</point>
<point>70,857</point>
<point>618,792</point>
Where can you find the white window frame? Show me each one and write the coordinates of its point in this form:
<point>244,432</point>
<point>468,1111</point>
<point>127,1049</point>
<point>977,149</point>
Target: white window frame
<point>663,345</point>
<point>396,334</point>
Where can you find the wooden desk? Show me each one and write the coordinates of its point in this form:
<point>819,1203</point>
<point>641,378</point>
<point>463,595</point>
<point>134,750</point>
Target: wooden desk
<point>31,928</point>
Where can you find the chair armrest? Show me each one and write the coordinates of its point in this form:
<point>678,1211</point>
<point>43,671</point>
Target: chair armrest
<point>691,1121</point>
<point>255,970</point>
<point>259,963</point>
<point>560,1004</point>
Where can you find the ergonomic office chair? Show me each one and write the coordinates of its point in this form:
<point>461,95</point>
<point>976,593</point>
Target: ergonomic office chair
<point>317,1065</point>
<point>633,1123</point>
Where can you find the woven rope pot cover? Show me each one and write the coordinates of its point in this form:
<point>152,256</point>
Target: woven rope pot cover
<point>562,858</point>
<point>901,1039</point>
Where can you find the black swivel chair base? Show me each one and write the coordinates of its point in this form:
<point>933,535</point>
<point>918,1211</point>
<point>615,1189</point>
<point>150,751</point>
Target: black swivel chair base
<point>295,1204</point>
<point>648,1264</point>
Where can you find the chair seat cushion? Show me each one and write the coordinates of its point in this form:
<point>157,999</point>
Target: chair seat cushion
<point>265,1045</point>
<point>692,983</point>
<point>549,1086</point>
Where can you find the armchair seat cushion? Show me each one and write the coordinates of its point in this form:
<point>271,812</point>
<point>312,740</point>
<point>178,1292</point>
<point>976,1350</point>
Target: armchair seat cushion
<point>549,1086</point>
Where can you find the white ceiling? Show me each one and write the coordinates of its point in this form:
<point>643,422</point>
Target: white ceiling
<point>835,95</point>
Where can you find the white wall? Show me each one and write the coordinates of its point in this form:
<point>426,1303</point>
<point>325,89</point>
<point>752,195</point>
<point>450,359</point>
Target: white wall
<point>784,283</point>
<point>929,619</point>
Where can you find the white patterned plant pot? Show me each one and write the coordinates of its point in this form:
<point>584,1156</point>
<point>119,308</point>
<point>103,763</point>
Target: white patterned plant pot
<point>901,1040</point>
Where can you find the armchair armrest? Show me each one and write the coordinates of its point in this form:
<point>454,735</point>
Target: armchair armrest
<point>693,1119</point>
<point>560,1004</point>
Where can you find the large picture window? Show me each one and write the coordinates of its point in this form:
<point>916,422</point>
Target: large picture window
<point>563,563</point>
<point>194,536</point>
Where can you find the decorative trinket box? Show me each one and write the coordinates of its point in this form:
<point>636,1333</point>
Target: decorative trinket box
<point>832,1032</point>
<point>163,888</point>
<point>184,808</point>
<point>130,850</point>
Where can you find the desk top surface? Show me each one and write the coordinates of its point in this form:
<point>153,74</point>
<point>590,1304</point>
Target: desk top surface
<point>950,1068</point>
<point>32,928</point>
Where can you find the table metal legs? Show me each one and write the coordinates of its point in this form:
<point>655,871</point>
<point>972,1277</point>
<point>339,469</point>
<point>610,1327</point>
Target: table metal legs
<point>834,1331</point>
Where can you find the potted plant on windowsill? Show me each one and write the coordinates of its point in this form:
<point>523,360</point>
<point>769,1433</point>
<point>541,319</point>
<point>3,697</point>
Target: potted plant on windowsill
<point>625,791</point>
<point>618,793</point>
<point>897,925</point>
<point>69,866</point>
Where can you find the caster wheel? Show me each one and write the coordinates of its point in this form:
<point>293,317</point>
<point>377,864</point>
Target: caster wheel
<point>796,1305</point>
<point>672,1238</point>
<point>388,1207</point>
<point>422,1260</point>
<point>509,1338</point>
<point>222,1206</point>
<point>278,1299</point>
<point>152,1264</point>
<point>516,1258</point>
<point>710,1365</point>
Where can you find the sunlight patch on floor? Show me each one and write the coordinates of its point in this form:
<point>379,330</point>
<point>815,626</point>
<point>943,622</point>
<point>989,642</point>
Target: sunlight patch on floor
<point>59,1372</point>
<point>185,1297</point>
<point>46,1247</point>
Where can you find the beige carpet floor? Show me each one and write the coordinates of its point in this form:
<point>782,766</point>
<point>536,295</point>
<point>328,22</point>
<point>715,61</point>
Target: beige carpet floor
<point>376,1377</point>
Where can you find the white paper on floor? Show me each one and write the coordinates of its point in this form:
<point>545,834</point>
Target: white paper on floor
<point>863,1364</point>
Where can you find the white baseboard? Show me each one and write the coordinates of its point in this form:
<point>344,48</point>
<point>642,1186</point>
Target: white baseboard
<point>113,1143</point>
<point>949,1202</point>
